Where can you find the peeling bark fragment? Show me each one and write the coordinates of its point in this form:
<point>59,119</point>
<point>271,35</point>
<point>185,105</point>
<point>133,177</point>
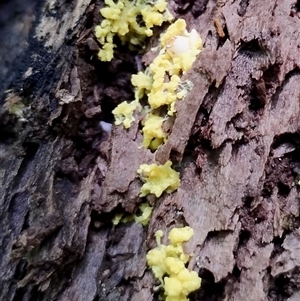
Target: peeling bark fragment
<point>127,155</point>
<point>32,237</point>
<point>217,253</point>
<point>85,287</point>
<point>74,94</point>
<point>289,259</point>
<point>125,260</point>
<point>186,113</point>
<point>216,63</point>
<point>251,279</point>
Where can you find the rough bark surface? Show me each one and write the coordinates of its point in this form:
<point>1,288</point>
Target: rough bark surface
<point>235,141</point>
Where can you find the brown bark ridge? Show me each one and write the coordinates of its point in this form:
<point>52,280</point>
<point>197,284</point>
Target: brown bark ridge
<point>235,141</point>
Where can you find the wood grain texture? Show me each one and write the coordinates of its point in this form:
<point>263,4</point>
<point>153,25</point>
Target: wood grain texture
<point>63,178</point>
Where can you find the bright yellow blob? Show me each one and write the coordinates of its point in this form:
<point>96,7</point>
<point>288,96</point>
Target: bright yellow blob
<point>153,132</point>
<point>124,113</point>
<point>158,178</point>
<point>170,260</point>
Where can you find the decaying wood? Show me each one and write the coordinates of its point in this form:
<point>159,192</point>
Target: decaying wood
<point>235,141</point>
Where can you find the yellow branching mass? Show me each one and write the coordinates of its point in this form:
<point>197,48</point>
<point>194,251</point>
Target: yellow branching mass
<point>158,178</point>
<point>124,113</point>
<point>122,19</point>
<point>168,262</point>
<point>132,21</point>
<point>161,83</point>
<point>179,52</point>
<point>142,217</point>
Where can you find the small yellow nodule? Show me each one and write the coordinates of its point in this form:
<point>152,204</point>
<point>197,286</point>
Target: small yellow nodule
<point>124,113</point>
<point>153,133</point>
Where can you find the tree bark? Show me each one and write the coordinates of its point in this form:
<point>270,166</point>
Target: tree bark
<point>235,141</point>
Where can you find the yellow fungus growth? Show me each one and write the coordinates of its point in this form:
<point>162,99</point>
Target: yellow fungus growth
<point>144,217</point>
<point>122,19</point>
<point>160,84</point>
<point>153,132</point>
<point>117,218</point>
<point>168,264</point>
<point>143,84</point>
<point>124,113</point>
<point>179,52</point>
<point>158,178</point>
